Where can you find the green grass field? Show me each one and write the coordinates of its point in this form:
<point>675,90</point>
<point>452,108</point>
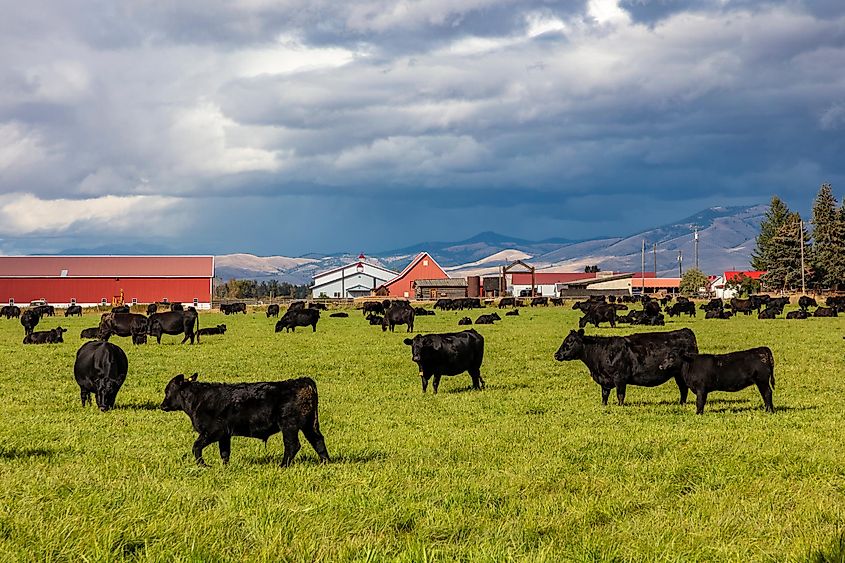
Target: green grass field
<point>533,468</point>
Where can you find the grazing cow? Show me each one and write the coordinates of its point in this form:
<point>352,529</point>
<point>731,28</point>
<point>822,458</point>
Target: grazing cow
<point>448,354</point>
<point>465,321</point>
<point>124,324</point>
<point>540,301</point>
<point>398,315</point>
<point>375,320</point>
<point>799,314</point>
<point>318,306</point>
<point>10,311</point>
<point>52,336</point>
<point>744,306</point>
<point>598,314</point>
<point>619,361</point>
<point>173,323</point>
<point>232,308</point>
<point>100,368</point>
<point>298,317</point>
<point>339,315</point>
<point>769,313</point>
<point>718,314</point>
<point>681,307</point>
<point>176,307</point>
<point>443,304</point>
<point>296,306</point>
<point>826,312</point>
<point>121,309</point>
<point>219,329</point>
<point>73,310</point>
<point>506,302</point>
<point>90,332</point>
<point>514,313</point>
<point>219,411</point>
<point>487,319</point>
<point>805,302</point>
<point>705,373</point>
<point>30,319</point>
<point>712,305</point>
<point>519,303</point>
<point>272,311</point>
<point>45,310</point>
<point>152,309</point>
<point>556,301</point>
<point>373,307</point>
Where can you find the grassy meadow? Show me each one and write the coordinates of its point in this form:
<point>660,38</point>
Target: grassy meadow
<point>533,468</point>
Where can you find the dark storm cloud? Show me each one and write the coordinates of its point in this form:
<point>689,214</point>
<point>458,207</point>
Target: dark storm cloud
<point>299,124</point>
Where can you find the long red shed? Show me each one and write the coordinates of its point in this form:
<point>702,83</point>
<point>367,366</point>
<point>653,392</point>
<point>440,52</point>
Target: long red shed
<point>94,280</point>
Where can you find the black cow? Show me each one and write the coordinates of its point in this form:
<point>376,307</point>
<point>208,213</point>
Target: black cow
<point>681,307</point>
<point>219,411</point>
<point>448,354</point>
<point>465,321</point>
<point>272,311</point>
<point>124,324</point>
<point>232,308</point>
<point>219,329</point>
<point>799,314</point>
<point>173,323</point>
<point>443,304</point>
<point>422,312</point>
<point>375,320</point>
<point>805,302</point>
<point>90,332</point>
<point>507,302</point>
<point>73,310</point>
<point>759,301</point>
<point>121,309</point>
<point>398,314</point>
<point>10,311</point>
<point>705,373</point>
<point>298,317</point>
<point>713,305</point>
<point>836,302</point>
<point>373,307</point>
<point>619,361</point>
<point>718,314</point>
<point>598,314</point>
<point>540,301</point>
<point>514,313</point>
<point>45,310</point>
<point>152,309</point>
<point>318,306</point>
<point>651,308</point>
<point>744,306</point>
<point>52,336</point>
<point>340,315</point>
<point>778,303</point>
<point>826,312</point>
<point>176,307</point>
<point>556,301</point>
<point>769,313</point>
<point>30,319</point>
<point>296,306</point>
<point>487,319</point>
<point>100,368</point>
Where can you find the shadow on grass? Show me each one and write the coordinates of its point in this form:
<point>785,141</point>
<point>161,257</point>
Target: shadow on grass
<point>7,454</point>
<point>753,407</point>
<point>145,406</point>
<point>346,458</point>
<point>486,388</point>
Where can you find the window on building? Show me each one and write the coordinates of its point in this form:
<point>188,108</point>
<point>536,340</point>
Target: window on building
<point>73,301</point>
<point>425,263</point>
<point>134,300</point>
<point>164,300</point>
<point>196,301</point>
<point>104,301</point>
<point>406,294</point>
<point>11,301</point>
<point>337,294</point>
<point>63,274</point>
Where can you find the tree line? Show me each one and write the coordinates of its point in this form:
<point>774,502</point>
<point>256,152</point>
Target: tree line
<point>251,289</point>
<point>779,243</point>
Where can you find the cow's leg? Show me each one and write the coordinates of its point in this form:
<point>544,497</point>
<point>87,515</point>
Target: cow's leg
<point>477,380</point>
<point>411,326</point>
<point>314,327</point>
<point>315,438</point>
<point>436,383</point>
<point>605,393</point>
<point>700,401</point>
<point>766,393</point>
<point>225,445</point>
<point>290,435</point>
<point>199,445</point>
<point>425,378</point>
<point>158,339</point>
<point>620,394</point>
<point>682,387</point>
<point>85,396</point>
<point>191,336</point>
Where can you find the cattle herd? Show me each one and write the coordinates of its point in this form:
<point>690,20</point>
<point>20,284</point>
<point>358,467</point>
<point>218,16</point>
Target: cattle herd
<point>219,411</point>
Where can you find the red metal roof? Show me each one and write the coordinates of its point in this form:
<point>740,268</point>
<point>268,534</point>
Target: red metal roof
<point>549,278</point>
<point>753,274</point>
<point>106,266</point>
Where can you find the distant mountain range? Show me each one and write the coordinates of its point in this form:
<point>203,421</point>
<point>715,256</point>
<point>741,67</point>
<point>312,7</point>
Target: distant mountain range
<point>726,240</point>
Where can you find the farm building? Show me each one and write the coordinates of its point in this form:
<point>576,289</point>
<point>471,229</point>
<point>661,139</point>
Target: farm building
<point>358,279</point>
<point>719,284</point>
<point>545,282</point>
<point>450,288</point>
<point>422,267</point>
<point>97,280</point>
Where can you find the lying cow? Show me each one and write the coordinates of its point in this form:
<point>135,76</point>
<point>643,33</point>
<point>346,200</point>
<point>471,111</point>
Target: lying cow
<point>375,320</point>
<point>825,312</point>
<point>272,311</point>
<point>298,317</point>
<point>448,354</point>
<point>514,313</point>
<point>219,411</point>
<point>219,329</point>
<point>769,313</point>
<point>52,336</point>
<point>340,315</point>
<point>174,323</point>
<point>799,314</point>
<point>465,321</point>
<point>619,361</point>
<point>90,332</point>
<point>73,310</point>
<point>100,368</point>
<point>705,373</point>
<point>487,319</point>
<point>422,312</point>
<point>718,314</point>
<point>398,314</point>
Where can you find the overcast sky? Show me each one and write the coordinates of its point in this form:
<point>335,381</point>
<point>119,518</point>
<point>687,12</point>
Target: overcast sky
<point>287,127</point>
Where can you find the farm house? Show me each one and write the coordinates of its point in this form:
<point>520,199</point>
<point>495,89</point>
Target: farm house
<point>99,280</point>
<point>358,279</point>
<point>422,267</point>
<point>450,288</point>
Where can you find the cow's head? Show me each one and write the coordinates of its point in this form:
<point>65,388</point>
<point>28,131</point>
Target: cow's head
<point>57,334</point>
<point>417,346</point>
<point>173,393</point>
<point>222,329</point>
<point>582,322</point>
<point>674,359</point>
<point>280,324</point>
<point>571,347</point>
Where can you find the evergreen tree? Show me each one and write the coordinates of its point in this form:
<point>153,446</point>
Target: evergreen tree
<point>784,255</point>
<point>828,239</point>
<point>775,218</point>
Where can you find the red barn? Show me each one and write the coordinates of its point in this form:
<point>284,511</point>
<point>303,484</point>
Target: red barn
<point>422,267</point>
<point>94,280</point>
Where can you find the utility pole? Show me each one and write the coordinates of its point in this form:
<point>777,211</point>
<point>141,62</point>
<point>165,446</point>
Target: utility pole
<point>642,271</point>
<point>801,238</point>
<point>654,252</point>
<point>696,248</point>
<point>680,265</point>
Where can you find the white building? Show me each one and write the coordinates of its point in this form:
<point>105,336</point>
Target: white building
<point>353,280</point>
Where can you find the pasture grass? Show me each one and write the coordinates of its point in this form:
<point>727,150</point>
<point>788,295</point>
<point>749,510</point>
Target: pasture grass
<point>533,468</point>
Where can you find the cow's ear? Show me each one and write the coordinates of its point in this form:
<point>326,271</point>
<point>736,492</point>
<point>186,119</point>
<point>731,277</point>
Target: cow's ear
<point>580,332</point>
<point>179,378</point>
<point>193,377</point>
<point>408,341</point>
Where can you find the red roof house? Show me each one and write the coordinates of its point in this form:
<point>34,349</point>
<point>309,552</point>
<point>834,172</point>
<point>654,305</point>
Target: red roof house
<point>422,267</point>
<point>753,274</point>
<point>91,280</point>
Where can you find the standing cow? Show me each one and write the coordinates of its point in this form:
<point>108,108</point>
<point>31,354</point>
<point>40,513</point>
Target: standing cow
<point>73,310</point>
<point>123,325</point>
<point>298,317</point>
<point>448,354</point>
<point>101,369</point>
<point>219,411</point>
<point>398,314</point>
<point>272,311</point>
<point>173,323</point>
<point>29,320</point>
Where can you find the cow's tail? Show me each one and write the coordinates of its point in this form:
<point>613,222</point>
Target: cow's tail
<point>198,327</point>
<point>308,400</point>
<point>770,361</point>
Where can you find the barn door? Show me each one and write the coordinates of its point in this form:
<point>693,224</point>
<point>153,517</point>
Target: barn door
<point>432,293</point>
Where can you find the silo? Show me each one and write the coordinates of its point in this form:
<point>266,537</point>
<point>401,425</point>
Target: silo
<point>473,286</point>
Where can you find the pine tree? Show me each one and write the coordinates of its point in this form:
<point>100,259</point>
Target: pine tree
<point>775,218</point>
<point>784,255</point>
<point>828,239</point>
